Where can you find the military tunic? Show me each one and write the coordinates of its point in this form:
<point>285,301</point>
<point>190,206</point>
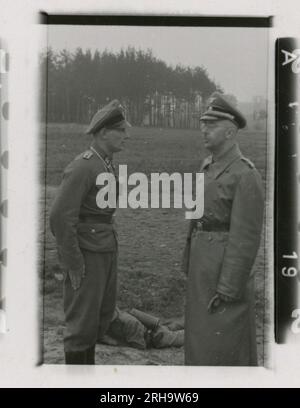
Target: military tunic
<point>86,238</point>
<point>219,256</point>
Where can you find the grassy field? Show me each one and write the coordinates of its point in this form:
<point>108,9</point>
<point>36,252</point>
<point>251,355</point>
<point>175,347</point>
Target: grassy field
<point>150,240</point>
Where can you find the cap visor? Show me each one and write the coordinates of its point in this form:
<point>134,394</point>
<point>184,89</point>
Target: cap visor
<point>209,117</point>
<point>88,130</point>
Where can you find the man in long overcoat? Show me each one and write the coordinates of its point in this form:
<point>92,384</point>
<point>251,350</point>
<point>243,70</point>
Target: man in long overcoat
<point>222,246</point>
<point>86,237</point>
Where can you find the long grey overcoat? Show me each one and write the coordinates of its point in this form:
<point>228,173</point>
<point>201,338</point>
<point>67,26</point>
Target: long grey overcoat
<point>219,257</point>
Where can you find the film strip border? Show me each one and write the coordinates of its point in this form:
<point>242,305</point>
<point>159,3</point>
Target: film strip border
<point>287,275</point>
<point>4,113</point>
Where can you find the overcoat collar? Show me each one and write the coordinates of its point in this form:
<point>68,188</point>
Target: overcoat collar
<point>102,153</point>
<point>223,162</point>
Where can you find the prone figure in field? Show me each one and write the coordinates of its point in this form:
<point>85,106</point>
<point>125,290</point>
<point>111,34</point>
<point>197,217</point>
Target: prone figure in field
<point>141,330</point>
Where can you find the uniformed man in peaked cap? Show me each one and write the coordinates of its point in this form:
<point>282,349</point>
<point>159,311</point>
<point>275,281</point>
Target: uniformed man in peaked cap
<point>86,239</point>
<point>222,246</point>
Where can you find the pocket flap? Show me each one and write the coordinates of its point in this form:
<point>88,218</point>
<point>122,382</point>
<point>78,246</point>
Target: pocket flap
<point>97,237</point>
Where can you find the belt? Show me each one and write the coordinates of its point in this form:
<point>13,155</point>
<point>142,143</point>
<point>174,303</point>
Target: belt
<point>204,226</point>
<point>96,219</point>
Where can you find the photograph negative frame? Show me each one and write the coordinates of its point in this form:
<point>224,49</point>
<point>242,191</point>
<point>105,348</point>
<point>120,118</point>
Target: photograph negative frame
<point>147,327</point>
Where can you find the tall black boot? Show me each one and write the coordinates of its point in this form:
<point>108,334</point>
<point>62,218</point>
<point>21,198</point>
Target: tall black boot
<point>90,355</point>
<point>75,357</point>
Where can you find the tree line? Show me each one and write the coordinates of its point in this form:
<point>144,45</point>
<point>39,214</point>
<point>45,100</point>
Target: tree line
<point>76,84</point>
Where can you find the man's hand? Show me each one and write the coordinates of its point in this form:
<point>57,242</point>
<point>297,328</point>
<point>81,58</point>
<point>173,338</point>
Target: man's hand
<point>76,276</point>
<point>216,300</point>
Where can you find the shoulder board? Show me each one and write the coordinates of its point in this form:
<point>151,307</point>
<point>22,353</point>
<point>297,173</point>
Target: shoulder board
<point>249,162</point>
<point>87,155</point>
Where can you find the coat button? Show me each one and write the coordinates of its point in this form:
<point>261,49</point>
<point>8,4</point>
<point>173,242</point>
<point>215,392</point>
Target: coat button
<point>93,230</point>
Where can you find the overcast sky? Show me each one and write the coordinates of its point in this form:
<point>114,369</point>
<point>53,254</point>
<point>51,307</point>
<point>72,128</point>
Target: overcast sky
<point>236,58</point>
